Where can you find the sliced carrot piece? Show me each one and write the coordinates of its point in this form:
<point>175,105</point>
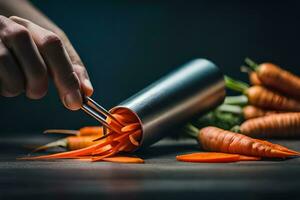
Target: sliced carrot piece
<point>131,127</point>
<point>209,157</point>
<point>249,158</point>
<point>133,140</point>
<point>124,159</point>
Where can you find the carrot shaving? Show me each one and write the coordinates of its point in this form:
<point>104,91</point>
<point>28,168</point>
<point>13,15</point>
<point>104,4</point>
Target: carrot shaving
<point>114,142</point>
<point>131,127</point>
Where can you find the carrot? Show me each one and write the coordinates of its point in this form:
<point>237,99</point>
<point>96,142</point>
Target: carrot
<point>282,125</point>
<point>277,78</point>
<point>250,112</point>
<point>79,142</point>
<point>70,143</point>
<point>219,140</point>
<point>264,98</point>
<point>85,131</point>
<point>247,112</point>
<point>112,143</point>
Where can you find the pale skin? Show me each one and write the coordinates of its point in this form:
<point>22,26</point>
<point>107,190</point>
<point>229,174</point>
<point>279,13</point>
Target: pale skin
<point>33,50</point>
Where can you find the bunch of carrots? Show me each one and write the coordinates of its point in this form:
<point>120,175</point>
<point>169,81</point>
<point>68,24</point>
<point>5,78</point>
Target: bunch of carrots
<point>269,108</point>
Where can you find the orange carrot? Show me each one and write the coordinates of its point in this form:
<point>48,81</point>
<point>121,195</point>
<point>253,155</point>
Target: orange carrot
<point>85,131</point>
<point>282,125</point>
<point>219,140</point>
<point>108,145</point>
<point>247,112</point>
<point>277,78</point>
<point>250,112</point>
<point>70,143</point>
<point>264,98</point>
<point>79,142</point>
<point>214,157</point>
<point>254,80</point>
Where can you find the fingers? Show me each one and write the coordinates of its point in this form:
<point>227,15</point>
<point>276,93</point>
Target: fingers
<point>19,41</point>
<point>12,81</point>
<point>79,68</point>
<point>86,84</point>
<point>57,59</point>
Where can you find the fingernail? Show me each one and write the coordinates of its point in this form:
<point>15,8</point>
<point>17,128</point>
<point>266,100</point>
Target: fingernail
<point>73,100</point>
<point>88,85</point>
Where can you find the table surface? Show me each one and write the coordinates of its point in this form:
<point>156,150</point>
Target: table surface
<point>161,177</point>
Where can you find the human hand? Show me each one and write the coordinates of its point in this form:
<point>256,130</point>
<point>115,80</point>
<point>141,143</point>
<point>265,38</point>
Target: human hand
<point>29,54</point>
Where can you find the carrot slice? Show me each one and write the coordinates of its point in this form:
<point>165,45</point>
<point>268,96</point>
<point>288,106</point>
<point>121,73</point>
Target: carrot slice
<point>131,127</point>
<point>133,140</point>
<point>249,158</point>
<point>124,159</point>
<point>209,157</point>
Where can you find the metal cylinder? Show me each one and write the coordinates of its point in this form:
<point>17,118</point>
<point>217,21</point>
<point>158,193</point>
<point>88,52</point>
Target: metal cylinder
<point>190,90</point>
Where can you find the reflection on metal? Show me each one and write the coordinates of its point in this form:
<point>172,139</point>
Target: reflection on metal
<point>191,90</point>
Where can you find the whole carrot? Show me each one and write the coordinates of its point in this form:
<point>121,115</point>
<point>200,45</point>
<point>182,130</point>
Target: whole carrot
<point>282,125</point>
<point>246,112</point>
<point>262,97</point>
<point>277,78</point>
<point>219,140</point>
<point>250,112</point>
<point>84,131</point>
<point>70,143</point>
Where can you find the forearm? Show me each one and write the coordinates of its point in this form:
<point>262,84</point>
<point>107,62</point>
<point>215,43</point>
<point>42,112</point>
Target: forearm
<point>25,9</point>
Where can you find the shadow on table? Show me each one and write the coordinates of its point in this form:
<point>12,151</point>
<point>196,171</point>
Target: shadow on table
<point>165,149</point>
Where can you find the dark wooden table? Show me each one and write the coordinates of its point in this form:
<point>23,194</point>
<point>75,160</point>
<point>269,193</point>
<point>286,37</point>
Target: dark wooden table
<point>161,177</point>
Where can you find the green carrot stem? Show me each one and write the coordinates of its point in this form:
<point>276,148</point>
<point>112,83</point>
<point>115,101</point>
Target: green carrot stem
<point>236,100</point>
<point>58,143</point>
<point>191,130</point>
<point>246,69</point>
<point>238,86</point>
<point>231,109</point>
<point>236,129</point>
<point>253,65</point>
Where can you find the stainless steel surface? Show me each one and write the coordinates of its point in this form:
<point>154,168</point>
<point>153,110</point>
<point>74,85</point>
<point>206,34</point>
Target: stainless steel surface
<point>93,109</point>
<point>102,110</point>
<point>194,88</point>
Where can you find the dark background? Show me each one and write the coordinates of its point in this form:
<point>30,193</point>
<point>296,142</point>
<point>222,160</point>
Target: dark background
<point>128,44</point>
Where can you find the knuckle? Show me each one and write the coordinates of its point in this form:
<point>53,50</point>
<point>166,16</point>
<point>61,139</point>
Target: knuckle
<point>17,32</point>
<point>51,40</point>
<point>4,55</point>
<point>2,19</point>
<point>72,81</point>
